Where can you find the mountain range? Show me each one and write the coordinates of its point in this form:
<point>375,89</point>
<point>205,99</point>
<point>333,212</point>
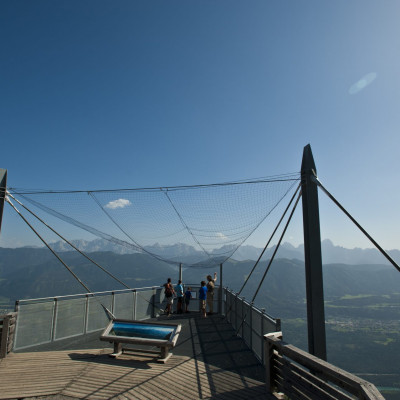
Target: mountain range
<point>35,272</point>
<point>187,254</point>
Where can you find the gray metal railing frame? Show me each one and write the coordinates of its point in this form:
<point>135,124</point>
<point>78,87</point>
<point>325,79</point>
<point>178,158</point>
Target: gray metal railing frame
<point>268,324</point>
<point>88,297</point>
<point>254,340</point>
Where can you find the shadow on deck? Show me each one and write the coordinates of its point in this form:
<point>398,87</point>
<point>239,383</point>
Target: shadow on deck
<point>209,361</point>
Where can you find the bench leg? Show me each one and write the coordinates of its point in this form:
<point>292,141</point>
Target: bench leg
<point>117,350</point>
<point>165,355</point>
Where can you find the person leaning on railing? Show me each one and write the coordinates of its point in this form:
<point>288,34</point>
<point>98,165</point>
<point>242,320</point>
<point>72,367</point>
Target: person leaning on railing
<point>210,292</point>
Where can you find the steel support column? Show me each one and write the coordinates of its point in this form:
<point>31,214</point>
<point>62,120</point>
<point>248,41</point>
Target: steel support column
<point>313,258</point>
<point>220,293</point>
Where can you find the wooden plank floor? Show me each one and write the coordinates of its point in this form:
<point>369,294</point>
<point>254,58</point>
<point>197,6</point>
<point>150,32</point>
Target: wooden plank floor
<point>209,362</point>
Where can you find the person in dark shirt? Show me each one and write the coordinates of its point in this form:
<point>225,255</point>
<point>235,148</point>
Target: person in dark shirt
<point>203,298</point>
<point>169,295</point>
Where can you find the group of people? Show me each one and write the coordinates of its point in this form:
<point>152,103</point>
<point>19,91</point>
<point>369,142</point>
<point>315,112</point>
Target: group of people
<point>206,296</point>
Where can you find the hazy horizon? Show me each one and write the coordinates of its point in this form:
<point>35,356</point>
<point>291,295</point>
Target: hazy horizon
<point>284,243</point>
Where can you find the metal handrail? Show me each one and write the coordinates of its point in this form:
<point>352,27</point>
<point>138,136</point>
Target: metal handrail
<point>109,292</point>
<point>51,314</point>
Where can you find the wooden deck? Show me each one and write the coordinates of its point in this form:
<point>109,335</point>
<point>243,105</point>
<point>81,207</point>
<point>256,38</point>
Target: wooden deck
<point>209,362</point>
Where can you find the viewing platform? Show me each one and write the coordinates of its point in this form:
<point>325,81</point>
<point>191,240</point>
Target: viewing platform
<point>209,361</point>
<point>51,349</point>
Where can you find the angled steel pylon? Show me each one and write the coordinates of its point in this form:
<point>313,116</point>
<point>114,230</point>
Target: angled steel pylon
<point>313,258</point>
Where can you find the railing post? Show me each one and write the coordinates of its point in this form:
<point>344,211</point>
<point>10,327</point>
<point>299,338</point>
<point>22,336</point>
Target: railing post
<point>278,324</point>
<point>243,321</point>
<point>4,337</point>
<point>269,360</point>
<point>313,258</point>
<point>228,305</point>
<point>86,322</point>
<point>180,272</point>
<point>113,302</point>
<point>236,309</point>
<point>54,321</point>
<point>263,359</point>
<point>7,333</point>
<point>268,357</point>
<point>134,303</point>
<point>153,303</point>
<point>16,310</point>
<point>220,302</point>
<point>251,326</point>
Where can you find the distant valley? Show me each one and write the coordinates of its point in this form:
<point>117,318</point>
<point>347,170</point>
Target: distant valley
<point>362,301</point>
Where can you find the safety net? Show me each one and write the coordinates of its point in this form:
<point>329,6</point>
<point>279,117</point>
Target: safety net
<point>200,225</point>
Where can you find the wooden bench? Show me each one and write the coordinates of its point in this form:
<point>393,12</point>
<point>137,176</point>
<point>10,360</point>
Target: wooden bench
<point>122,331</point>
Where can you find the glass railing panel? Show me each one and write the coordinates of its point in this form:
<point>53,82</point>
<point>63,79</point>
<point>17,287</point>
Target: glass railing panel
<point>256,321</point>
<point>215,300</point>
<point>194,304</point>
<point>160,301</point>
<point>124,305</point>
<point>70,318</point>
<point>245,322</point>
<point>246,311</point>
<point>144,304</point>
<point>246,330</point>
<point>257,345</point>
<point>34,323</point>
<point>223,310</point>
<point>228,306</point>
<point>239,310</point>
<point>269,324</point>
<point>231,310</point>
<point>238,314</point>
<point>97,316</point>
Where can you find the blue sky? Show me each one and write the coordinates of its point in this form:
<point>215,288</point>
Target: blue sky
<point>110,94</point>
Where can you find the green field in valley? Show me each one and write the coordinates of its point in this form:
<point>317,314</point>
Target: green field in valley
<point>363,337</point>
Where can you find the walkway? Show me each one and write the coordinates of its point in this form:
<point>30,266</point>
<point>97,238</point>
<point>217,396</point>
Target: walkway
<point>209,362</point>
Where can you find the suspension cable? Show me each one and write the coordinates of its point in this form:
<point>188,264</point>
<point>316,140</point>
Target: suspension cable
<point>266,246</point>
<point>72,245</point>
<point>277,247</point>
<point>110,315</point>
<point>294,176</point>
<point>54,253</point>
<point>79,251</point>
<point>276,205</point>
<point>386,255</point>
<point>272,259</point>
<point>186,226</point>
<point>126,234</point>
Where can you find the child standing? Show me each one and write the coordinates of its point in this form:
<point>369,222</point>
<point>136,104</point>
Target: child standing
<point>188,296</point>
